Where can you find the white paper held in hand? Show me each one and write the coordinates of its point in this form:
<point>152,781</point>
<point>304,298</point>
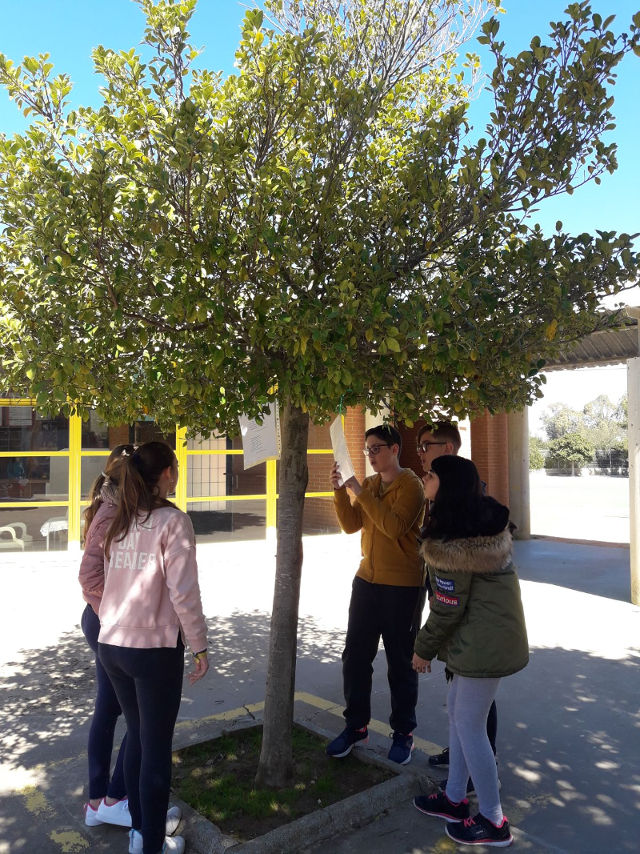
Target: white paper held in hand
<point>340,451</point>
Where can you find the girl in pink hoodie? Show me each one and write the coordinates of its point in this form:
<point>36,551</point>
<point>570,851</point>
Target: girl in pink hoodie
<point>107,792</point>
<point>150,609</point>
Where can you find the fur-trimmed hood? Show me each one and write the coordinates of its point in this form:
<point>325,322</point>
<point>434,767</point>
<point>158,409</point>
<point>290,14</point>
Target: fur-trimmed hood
<point>484,554</point>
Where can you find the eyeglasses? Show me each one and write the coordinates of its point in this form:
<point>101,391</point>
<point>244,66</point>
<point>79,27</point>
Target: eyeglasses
<point>423,447</point>
<point>374,450</point>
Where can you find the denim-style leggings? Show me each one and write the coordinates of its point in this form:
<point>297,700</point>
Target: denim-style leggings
<point>103,723</point>
<point>148,684</point>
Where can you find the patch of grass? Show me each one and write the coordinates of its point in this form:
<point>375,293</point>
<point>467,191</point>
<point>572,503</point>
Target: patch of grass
<point>216,778</point>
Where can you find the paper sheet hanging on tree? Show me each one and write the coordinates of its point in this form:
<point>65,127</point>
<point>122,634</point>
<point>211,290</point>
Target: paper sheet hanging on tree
<point>261,442</point>
<point>340,451</point>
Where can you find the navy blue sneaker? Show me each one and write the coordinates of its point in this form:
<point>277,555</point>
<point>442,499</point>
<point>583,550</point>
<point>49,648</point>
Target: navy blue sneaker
<point>480,831</point>
<point>439,806</point>
<point>343,744</point>
<point>438,759</point>
<point>401,748</point>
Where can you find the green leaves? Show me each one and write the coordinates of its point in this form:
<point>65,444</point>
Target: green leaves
<point>313,223</point>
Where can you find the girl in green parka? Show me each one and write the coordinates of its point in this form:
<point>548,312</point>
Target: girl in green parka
<point>476,626</point>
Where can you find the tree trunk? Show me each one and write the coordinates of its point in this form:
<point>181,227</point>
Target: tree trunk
<point>275,768</point>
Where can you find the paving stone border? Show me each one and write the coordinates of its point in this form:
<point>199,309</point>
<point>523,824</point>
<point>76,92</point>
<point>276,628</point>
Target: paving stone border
<point>203,837</point>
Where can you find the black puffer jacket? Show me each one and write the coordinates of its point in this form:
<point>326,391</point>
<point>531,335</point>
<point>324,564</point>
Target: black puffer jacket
<point>476,622</point>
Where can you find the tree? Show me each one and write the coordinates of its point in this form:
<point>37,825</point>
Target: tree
<point>559,419</point>
<point>622,413</point>
<point>315,226</point>
<point>572,448</point>
<point>603,423</point>
<point>537,451</point>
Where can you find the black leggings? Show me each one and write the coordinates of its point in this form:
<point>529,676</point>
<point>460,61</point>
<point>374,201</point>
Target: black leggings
<point>103,723</point>
<point>492,726</point>
<point>148,684</point>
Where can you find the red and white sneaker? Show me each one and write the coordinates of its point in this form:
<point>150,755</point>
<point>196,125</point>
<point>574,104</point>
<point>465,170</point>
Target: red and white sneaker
<point>172,844</point>
<point>91,815</point>
<point>117,813</point>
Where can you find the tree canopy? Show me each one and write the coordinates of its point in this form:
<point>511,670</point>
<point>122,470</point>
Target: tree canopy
<point>574,449</point>
<point>537,448</point>
<point>318,222</point>
<point>602,422</point>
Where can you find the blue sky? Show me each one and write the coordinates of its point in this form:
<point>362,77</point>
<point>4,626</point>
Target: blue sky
<point>69,29</point>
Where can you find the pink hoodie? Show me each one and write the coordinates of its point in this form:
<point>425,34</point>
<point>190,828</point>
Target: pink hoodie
<point>151,589</point>
<point>91,575</point>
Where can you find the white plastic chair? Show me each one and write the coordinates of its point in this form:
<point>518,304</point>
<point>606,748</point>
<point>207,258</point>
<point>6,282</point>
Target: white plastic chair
<point>13,541</point>
<point>23,528</point>
<point>53,525</point>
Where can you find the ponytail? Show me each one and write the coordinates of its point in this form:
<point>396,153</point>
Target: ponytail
<point>110,475</point>
<point>138,493</point>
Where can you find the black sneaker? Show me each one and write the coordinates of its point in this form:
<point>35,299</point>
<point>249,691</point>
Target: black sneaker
<point>343,744</point>
<point>440,806</point>
<point>442,785</point>
<point>440,758</point>
<point>480,831</point>
<point>400,750</point>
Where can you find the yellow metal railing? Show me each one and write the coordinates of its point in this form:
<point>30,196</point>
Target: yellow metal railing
<point>75,454</point>
<point>73,496</point>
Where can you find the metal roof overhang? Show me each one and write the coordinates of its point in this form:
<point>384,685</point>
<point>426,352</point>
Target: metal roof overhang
<point>607,347</point>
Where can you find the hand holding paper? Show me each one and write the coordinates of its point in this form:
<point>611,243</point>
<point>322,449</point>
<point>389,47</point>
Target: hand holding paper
<point>341,452</point>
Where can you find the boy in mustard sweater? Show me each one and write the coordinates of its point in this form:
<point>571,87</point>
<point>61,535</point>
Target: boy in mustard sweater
<point>387,593</point>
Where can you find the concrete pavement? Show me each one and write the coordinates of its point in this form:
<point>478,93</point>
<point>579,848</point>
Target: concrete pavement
<point>568,724</point>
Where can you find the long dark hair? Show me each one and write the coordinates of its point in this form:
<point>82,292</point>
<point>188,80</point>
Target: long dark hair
<point>138,495</point>
<point>110,474</point>
<point>460,509</point>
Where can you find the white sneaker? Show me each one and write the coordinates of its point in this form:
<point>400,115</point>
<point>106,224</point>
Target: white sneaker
<point>172,844</point>
<point>91,815</point>
<point>117,813</point>
<point>174,816</point>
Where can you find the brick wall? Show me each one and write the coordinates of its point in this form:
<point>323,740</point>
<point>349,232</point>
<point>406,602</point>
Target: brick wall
<point>490,453</point>
<point>319,513</point>
<point>119,435</point>
<point>408,454</point>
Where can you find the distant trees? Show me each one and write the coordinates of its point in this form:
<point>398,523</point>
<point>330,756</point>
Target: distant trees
<point>560,419</point>
<point>606,423</point>
<point>597,433</point>
<point>572,449</point>
<point>537,451</point>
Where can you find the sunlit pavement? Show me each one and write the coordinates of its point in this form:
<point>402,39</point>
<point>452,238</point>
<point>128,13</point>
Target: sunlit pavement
<point>568,724</point>
<point>589,507</point>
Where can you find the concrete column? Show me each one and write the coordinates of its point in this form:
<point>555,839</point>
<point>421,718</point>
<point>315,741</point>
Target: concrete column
<point>633,390</point>
<point>519,506</point>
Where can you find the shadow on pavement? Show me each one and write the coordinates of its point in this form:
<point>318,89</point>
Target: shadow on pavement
<point>567,740</point>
